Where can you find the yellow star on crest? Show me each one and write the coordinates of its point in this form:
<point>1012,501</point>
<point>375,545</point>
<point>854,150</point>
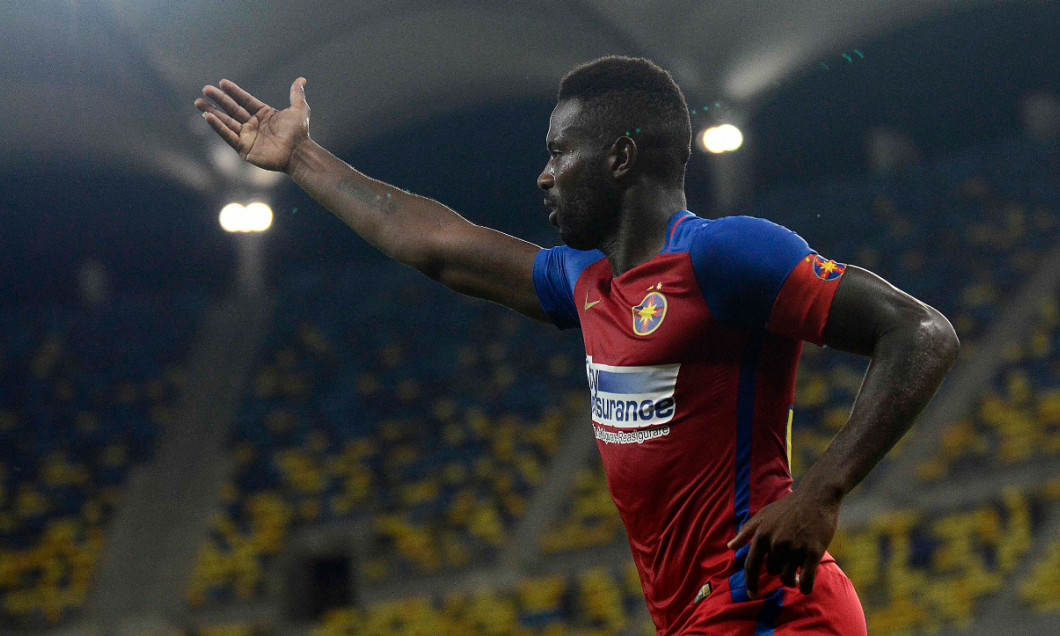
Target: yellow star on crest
<point>647,312</point>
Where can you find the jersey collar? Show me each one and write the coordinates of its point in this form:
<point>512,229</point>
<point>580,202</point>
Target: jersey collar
<point>671,228</point>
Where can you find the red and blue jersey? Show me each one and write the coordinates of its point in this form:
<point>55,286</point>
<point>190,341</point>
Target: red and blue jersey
<point>691,362</point>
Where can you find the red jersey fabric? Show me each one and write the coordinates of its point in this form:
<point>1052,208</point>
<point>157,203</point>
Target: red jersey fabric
<point>691,361</point>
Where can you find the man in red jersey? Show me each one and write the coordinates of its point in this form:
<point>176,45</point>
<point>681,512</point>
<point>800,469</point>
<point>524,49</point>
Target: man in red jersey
<point>692,327</point>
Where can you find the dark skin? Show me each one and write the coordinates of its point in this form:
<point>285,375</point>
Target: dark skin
<point>626,215</point>
<point>600,199</point>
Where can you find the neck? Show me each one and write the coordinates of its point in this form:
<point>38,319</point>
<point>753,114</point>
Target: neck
<point>641,231</point>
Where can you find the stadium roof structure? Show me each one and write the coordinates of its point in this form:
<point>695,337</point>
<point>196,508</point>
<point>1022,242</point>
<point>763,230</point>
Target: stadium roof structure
<point>111,82</point>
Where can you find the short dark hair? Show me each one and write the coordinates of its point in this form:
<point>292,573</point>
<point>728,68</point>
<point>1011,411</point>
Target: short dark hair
<point>633,95</point>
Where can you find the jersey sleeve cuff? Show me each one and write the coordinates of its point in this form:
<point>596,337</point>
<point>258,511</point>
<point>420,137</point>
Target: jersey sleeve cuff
<point>555,302</point>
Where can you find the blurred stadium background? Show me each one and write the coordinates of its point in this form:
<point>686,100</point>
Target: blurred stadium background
<point>204,433</point>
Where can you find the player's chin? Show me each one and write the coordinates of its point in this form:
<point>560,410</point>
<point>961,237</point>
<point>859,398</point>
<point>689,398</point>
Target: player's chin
<point>573,239</point>
<point>569,239</point>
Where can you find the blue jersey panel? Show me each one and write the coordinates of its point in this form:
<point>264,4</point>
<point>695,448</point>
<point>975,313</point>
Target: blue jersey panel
<point>678,231</point>
<point>556,271</point>
<point>741,262</point>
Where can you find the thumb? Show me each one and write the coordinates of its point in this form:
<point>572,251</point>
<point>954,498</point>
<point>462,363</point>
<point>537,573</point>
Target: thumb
<point>298,93</point>
<point>745,534</point>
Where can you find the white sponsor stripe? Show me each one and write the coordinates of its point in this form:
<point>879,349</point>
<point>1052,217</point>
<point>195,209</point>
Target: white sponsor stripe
<point>632,369</point>
<point>633,396</point>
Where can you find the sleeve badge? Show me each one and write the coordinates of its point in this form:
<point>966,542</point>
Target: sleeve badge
<point>827,270</point>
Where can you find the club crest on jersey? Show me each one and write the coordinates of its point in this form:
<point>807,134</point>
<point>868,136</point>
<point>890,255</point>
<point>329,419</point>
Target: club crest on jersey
<point>827,270</point>
<point>649,314</point>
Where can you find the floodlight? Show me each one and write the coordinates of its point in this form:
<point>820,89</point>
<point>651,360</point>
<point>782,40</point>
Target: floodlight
<point>256,217</point>
<point>724,138</point>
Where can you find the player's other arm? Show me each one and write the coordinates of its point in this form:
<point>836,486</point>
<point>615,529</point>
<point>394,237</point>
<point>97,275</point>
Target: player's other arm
<point>411,229</point>
<point>912,347</point>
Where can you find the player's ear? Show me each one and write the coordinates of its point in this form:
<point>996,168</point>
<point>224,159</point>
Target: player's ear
<point>622,157</point>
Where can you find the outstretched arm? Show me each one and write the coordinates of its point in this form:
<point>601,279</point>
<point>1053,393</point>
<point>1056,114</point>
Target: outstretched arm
<point>912,347</point>
<point>411,229</point>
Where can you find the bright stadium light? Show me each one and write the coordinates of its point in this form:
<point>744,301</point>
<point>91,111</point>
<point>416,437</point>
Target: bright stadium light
<point>724,138</point>
<point>259,217</point>
<point>230,217</point>
<point>256,217</point>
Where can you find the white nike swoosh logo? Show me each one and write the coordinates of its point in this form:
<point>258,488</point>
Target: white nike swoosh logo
<point>590,305</point>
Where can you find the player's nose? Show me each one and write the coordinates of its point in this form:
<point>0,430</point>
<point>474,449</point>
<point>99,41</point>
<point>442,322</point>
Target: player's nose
<point>546,179</point>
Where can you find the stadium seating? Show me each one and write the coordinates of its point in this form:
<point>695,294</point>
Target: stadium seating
<point>596,602</point>
<point>1041,589</point>
<point>224,628</point>
<point>82,393</point>
<point>915,573</point>
<point>1017,419</point>
<point>433,430</point>
<point>919,572</point>
<point>589,517</point>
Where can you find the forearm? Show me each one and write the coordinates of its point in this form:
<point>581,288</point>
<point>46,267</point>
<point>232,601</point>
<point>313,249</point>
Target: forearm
<point>908,365</point>
<point>395,222</point>
<point>421,233</point>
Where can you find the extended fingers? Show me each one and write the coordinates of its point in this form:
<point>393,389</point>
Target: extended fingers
<point>206,107</point>
<point>746,533</point>
<point>808,574</point>
<point>226,103</point>
<point>777,559</point>
<point>243,98</point>
<point>788,573</point>
<point>753,564</point>
<point>231,138</point>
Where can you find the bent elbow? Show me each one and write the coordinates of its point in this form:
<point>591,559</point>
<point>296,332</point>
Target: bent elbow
<point>940,336</point>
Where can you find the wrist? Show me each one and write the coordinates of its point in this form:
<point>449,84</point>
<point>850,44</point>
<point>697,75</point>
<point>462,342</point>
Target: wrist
<point>823,485</point>
<point>301,159</point>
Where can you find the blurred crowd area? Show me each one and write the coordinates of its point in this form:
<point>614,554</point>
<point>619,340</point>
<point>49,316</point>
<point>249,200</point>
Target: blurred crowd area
<point>428,423</point>
<point>432,430</point>
<point>83,392</point>
<point>915,573</point>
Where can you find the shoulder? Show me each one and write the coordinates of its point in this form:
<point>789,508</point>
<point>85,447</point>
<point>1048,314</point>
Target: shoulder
<point>746,239</point>
<point>691,233</point>
<point>556,272</point>
<point>564,264</point>
<point>750,234</point>
<point>570,260</point>
<point>740,263</point>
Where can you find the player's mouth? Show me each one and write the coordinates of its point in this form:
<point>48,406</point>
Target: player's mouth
<point>553,216</point>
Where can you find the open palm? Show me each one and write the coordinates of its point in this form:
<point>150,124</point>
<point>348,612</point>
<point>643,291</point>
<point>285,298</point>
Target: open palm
<point>261,135</point>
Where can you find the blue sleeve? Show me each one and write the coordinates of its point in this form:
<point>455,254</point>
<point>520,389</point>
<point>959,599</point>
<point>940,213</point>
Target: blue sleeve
<point>556,271</point>
<point>741,262</point>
